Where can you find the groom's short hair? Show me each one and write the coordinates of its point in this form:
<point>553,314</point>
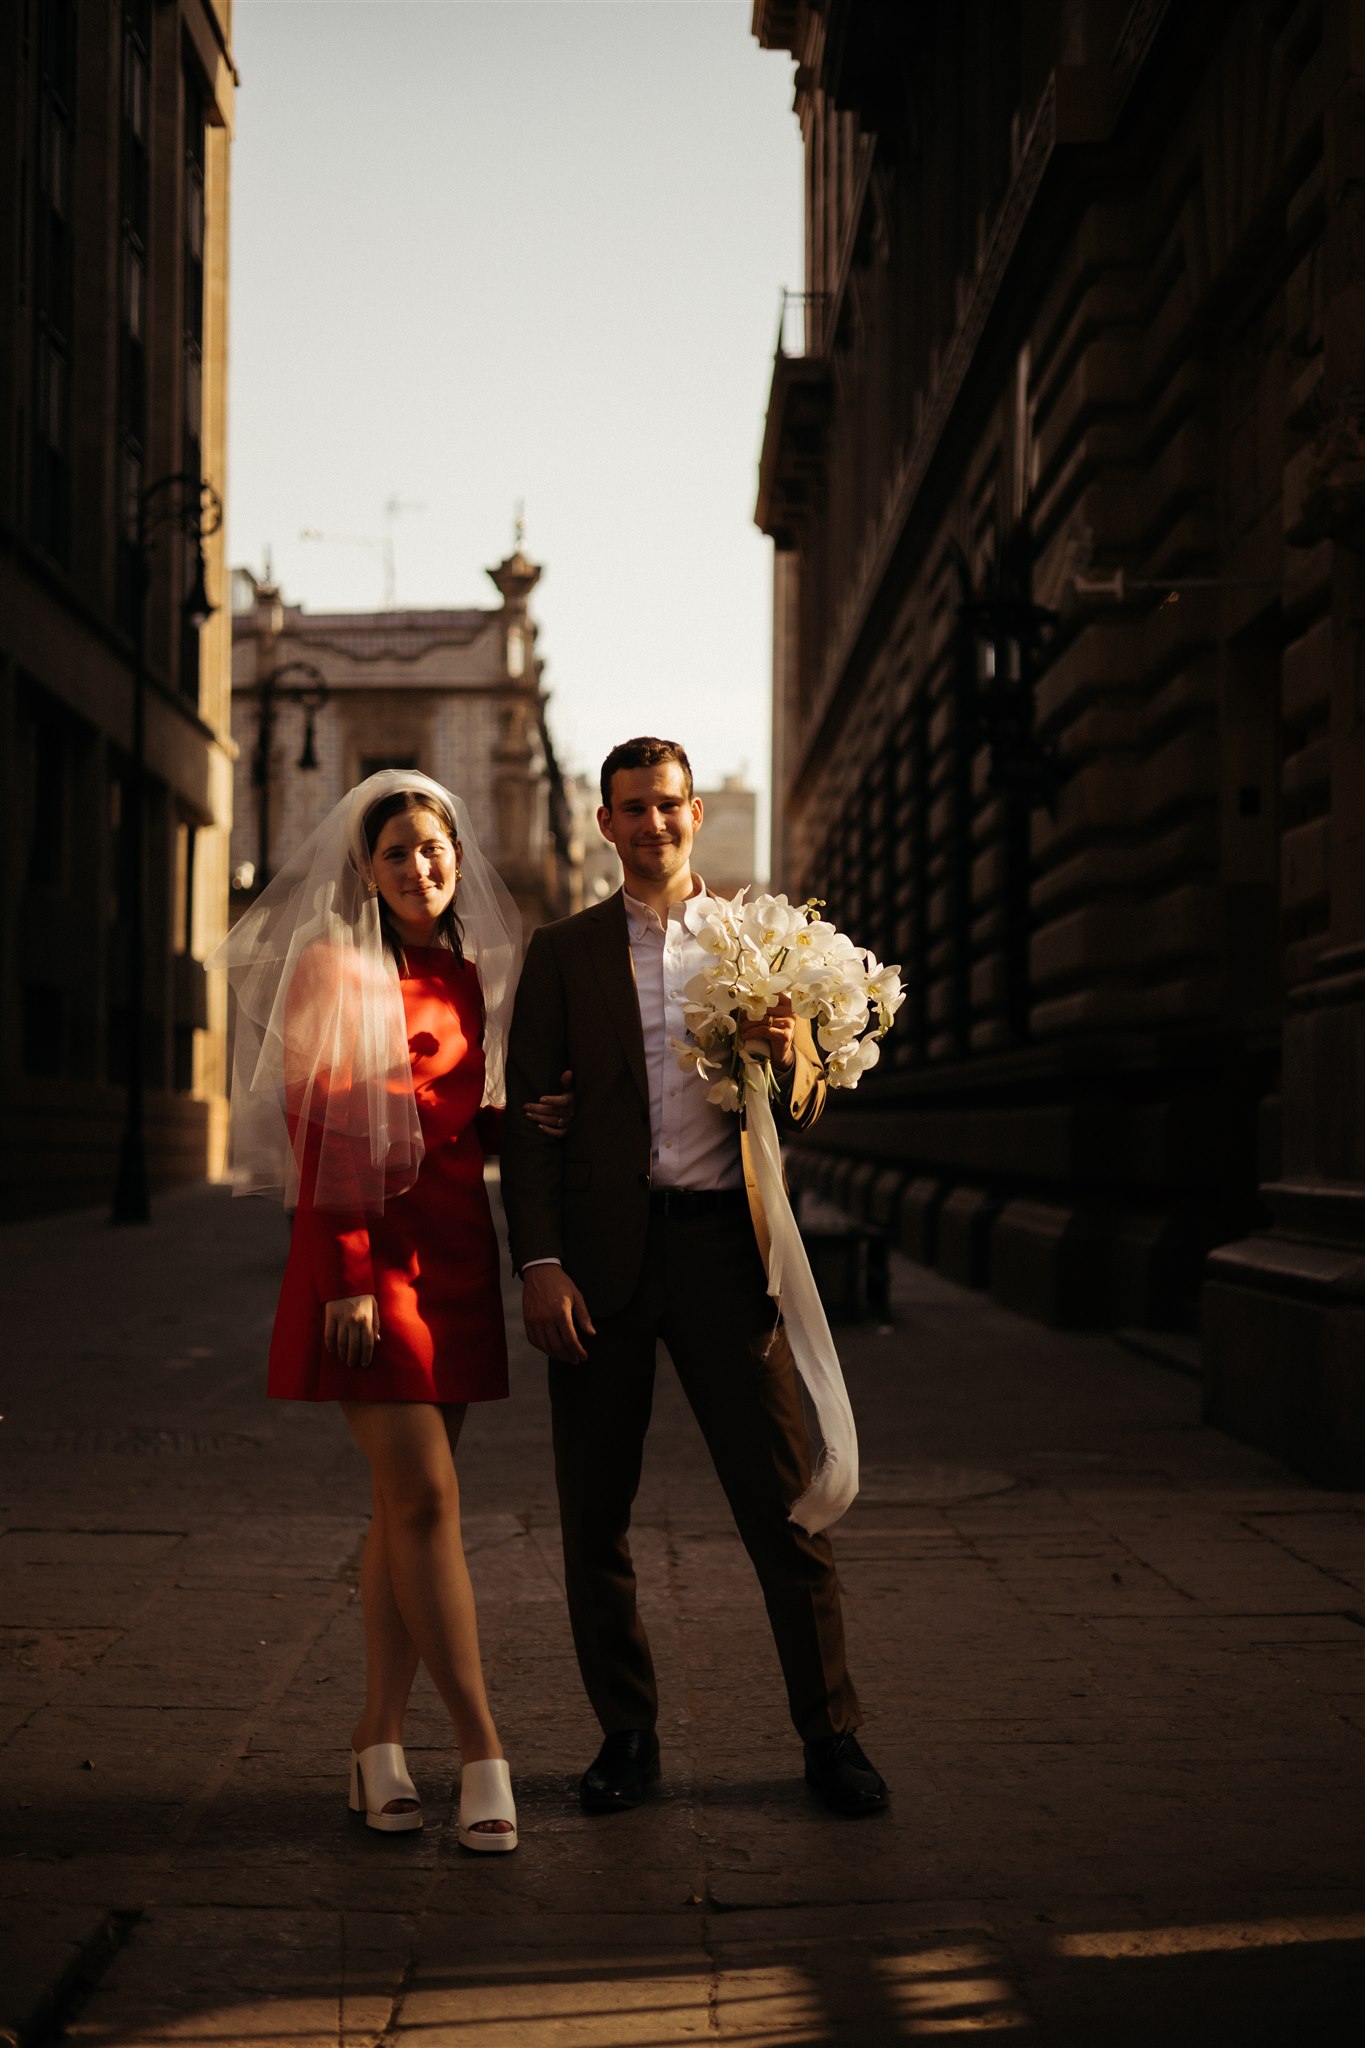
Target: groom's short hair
<point>643,753</point>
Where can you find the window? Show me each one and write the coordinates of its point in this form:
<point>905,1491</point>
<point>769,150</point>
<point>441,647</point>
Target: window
<point>53,758</point>
<point>50,471</point>
<point>44,1030</point>
<point>182,902</point>
<point>182,1059</point>
<point>50,772</point>
<point>192,341</point>
<point>53,750</point>
<point>133,212</point>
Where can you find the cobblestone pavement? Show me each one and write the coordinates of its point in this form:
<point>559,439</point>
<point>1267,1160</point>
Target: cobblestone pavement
<point>1114,1666</point>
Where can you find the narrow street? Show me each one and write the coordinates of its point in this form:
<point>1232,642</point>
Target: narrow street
<point>1113,1664</point>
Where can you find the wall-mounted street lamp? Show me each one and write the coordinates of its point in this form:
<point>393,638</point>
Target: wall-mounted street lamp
<point>1003,635</point>
<point>196,508</point>
<point>1125,588</point>
<point>312,695</point>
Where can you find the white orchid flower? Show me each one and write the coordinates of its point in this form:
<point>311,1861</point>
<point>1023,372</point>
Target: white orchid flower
<point>812,941</point>
<point>692,1058</point>
<point>843,1022</point>
<point>759,993</point>
<point>846,1068</point>
<point>770,924</point>
<point>710,989</point>
<point>884,987</point>
<point>725,1094</point>
<point>715,935</point>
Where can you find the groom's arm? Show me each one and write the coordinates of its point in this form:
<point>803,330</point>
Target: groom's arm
<point>532,1163</point>
<point>554,1311</point>
<point>790,1044</point>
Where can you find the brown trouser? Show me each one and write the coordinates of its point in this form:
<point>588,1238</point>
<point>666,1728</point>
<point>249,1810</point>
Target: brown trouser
<point>702,1290</point>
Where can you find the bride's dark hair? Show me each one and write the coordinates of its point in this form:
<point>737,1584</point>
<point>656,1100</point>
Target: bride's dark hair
<point>447,924</point>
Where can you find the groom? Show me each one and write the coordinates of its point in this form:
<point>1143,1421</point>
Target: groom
<point>636,1228</point>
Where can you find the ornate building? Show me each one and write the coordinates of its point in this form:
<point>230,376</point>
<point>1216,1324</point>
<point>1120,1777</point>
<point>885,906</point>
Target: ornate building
<point>322,699</point>
<point>115,779</point>
<point>1064,466</point>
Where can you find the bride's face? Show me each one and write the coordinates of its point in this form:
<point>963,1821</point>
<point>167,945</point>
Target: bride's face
<point>414,864</point>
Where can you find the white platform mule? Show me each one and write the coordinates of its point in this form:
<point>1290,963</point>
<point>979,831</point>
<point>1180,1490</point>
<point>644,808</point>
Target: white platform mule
<point>486,1794</point>
<point>379,1775</point>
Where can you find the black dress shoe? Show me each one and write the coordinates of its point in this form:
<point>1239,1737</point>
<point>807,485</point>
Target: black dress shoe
<point>839,1774</point>
<point>623,1773</point>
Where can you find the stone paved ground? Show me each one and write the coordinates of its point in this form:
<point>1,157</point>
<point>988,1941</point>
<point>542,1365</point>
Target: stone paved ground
<point>1114,1666</point>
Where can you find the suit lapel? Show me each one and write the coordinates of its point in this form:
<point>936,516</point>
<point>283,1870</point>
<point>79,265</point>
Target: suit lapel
<point>609,943</point>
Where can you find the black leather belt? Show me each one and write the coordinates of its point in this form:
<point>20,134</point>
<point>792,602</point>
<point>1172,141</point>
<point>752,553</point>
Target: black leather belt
<point>695,1201</point>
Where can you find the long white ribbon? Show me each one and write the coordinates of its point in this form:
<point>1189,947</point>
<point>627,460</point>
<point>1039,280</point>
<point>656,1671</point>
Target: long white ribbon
<point>834,1481</point>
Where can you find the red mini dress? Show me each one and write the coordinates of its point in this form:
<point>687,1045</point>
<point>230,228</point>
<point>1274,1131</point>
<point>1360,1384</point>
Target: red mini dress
<point>431,1258</point>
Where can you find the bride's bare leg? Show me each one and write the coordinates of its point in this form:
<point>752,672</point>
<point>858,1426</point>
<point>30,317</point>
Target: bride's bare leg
<point>390,1653</point>
<point>409,1452</point>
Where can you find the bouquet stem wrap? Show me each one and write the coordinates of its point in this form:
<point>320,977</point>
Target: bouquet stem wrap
<point>834,1480</point>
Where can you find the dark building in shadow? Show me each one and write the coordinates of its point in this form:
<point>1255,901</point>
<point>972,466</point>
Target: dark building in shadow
<point>1064,465</point>
<point>115,752</point>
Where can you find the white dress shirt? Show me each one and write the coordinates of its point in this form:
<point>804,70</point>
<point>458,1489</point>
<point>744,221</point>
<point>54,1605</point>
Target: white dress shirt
<point>693,1144</point>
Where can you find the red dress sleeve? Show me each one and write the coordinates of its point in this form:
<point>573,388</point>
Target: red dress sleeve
<point>334,1238</point>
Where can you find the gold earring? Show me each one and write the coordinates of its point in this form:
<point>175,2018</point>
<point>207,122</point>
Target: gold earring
<point>372,888</point>
<point>458,873</point>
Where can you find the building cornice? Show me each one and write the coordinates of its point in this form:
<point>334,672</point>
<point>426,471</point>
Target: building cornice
<point>492,687</point>
<point>58,587</point>
<point>1079,107</point>
<point>776,24</point>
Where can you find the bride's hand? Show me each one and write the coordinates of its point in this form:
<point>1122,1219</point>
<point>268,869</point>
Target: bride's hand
<point>351,1329</point>
<point>553,1114</point>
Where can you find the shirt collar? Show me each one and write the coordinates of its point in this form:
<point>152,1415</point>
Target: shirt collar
<point>643,919</point>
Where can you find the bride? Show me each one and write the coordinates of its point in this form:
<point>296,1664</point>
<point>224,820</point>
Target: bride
<point>373,981</point>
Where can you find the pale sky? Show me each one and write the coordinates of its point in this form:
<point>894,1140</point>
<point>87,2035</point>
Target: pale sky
<point>490,250</point>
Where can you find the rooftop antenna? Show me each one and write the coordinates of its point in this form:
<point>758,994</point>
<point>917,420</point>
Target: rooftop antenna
<point>382,543</point>
<point>519,525</point>
<point>393,507</point>
<point>358,540</point>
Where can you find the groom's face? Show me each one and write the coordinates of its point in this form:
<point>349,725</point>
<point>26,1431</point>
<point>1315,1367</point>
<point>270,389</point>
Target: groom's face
<point>652,821</point>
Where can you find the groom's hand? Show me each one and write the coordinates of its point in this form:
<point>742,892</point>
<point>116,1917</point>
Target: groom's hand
<point>778,1032</point>
<point>555,1314</point>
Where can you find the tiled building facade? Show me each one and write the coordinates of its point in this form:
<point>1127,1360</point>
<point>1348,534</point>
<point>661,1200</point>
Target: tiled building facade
<point>1065,467</point>
<point>115,119</point>
<point>457,694</point>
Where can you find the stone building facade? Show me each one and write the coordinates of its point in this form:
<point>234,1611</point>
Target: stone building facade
<point>1064,465</point>
<point>458,694</point>
<point>115,119</point>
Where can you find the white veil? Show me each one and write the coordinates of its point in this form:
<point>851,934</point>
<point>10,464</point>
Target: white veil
<point>322,1088</point>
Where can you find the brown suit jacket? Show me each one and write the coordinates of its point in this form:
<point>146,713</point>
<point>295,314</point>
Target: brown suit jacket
<point>584,1199</point>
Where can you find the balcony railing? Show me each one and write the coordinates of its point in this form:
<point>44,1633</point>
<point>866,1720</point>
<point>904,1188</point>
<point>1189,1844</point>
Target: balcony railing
<point>801,323</point>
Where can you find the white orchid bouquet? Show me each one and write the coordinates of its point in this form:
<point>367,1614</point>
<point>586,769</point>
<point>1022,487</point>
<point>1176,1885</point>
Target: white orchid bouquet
<point>761,952</point>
